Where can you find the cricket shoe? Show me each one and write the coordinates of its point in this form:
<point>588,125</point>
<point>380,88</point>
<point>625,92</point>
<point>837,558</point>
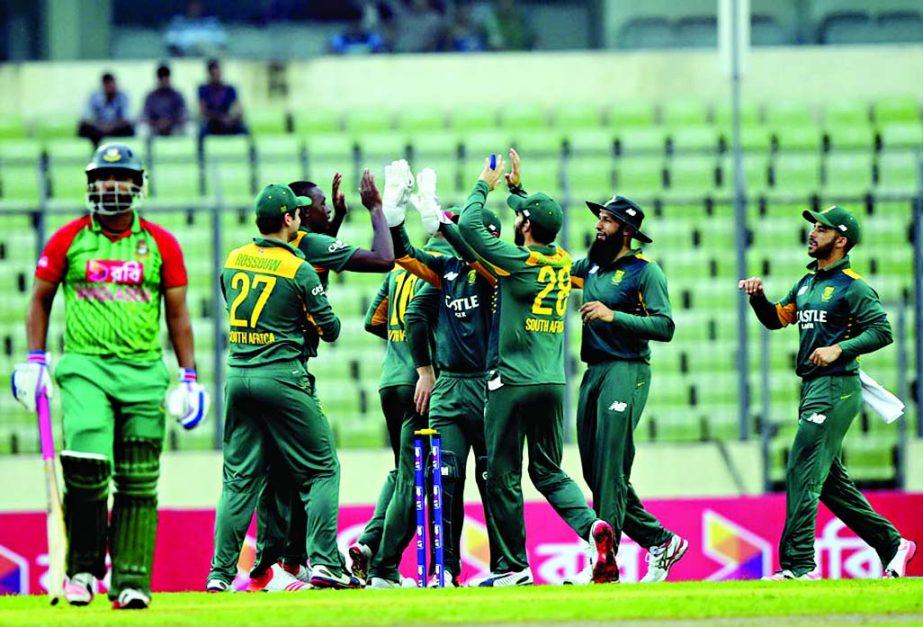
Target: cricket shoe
<point>897,567</point>
<point>299,571</point>
<point>786,575</point>
<point>323,577</point>
<point>448,579</point>
<point>217,585</point>
<point>276,579</point>
<point>131,599</point>
<point>78,590</point>
<point>585,576</point>
<point>602,540</point>
<point>380,583</point>
<point>503,580</point>
<point>361,556</point>
<point>661,559</point>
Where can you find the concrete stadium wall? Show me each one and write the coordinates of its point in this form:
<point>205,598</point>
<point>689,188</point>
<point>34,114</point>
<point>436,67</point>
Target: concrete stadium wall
<point>660,471</point>
<point>811,74</point>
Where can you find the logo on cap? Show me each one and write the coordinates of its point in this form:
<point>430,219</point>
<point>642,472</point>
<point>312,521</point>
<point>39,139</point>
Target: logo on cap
<point>112,155</point>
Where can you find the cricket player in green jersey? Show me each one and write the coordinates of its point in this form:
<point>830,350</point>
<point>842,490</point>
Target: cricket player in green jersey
<point>525,401</point>
<point>272,418</point>
<point>839,318</point>
<point>626,305</point>
<point>281,527</point>
<point>457,305</point>
<point>115,269</point>
<point>377,552</point>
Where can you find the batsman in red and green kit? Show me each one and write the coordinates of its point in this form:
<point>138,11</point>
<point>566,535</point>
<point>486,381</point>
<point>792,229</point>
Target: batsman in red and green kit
<point>273,421</point>
<point>839,318</point>
<point>626,306</point>
<point>116,270</point>
<point>525,400</point>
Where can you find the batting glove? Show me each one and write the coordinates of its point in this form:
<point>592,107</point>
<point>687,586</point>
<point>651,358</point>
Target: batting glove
<point>31,378</point>
<point>425,200</point>
<point>188,403</point>
<point>398,186</point>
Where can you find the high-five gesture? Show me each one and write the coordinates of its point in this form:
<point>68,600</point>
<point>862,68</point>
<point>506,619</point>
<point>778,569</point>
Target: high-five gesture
<point>340,208</point>
<point>492,176</point>
<point>368,191</point>
<point>398,186</point>
<point>512,178</point>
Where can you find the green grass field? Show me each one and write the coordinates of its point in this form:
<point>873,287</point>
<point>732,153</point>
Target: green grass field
<point>876,602</point>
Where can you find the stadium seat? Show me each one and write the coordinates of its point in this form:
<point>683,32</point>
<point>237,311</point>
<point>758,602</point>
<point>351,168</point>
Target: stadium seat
<point>382,147</point>
<point>21,178</point>
<point>807,138</point>
<point>753,139</point>
<point>698,31</point>
<point>596,142</point>
<point>703,139</point>
<point>647,32</point>
<point>420,119</point>
<point>278,158</point>
<point>901,135</point>
<point>267,121</point>
<point>524,117</point>
<point>630,113</point>
<point>573,116</point>
<point>308,121</point>
<point>796,173</point>
<point>692,175</point>
<point>756,173</point>
<point>12,126</point>
<point>479,145</point>
<point>846,112</point>
<point>852,137</point>
<point>67,159</point>
<point>650,140</point>
<point>749,114</point>
<point>174,149</point>
<point>869,458</point>
<point>591,178</point>
<point>545,143</point>
<point>359,121</point>
<point>780,113</point>
<point>639,177</point>
<point>897,172</point>
<point>848,173</point>
<point>54,127</point>
<point>898,108</point>
<point>677,113</point>
<point>473,119</point>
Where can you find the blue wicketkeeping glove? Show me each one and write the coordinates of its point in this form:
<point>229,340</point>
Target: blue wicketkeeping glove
<point>188,403</point>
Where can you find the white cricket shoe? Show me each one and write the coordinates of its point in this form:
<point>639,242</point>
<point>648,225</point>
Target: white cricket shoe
<point>78,590</point>
<point>661,559</point>
<point>787,575</point>
<point>217,585</point>
<point>585,576</point>
<point>360,556</point>
<point>503,580</point>
<point>897,567</point>
<point>299,571</point>
<point>323,577</point>
<point>131,599</point>
<point>276,579</point>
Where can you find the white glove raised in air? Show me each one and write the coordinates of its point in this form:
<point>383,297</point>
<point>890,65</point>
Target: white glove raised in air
<point>425,200</point>
<point>398,186</point>
<point>188,403</point>
<point>30,378</point>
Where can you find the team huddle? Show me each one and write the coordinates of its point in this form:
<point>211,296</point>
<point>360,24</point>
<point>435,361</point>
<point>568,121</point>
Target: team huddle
<point>474,330</point>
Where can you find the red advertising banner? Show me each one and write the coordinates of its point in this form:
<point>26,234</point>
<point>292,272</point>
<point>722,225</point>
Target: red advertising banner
<point>729,538</point>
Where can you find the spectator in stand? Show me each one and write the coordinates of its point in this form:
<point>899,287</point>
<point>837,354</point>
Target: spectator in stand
<point>218,105</point>
<point>195,33</point>
<point>357,39</point>
<point>466,33</point>
<point>508,28</point>
<point>419,26</point>
<point>164,108</point>
<point>106,114</point>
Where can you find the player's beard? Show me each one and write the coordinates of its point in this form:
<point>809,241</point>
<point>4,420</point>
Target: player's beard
<point>822,252</point>
<point>519,237</point>
<point>603,251</point>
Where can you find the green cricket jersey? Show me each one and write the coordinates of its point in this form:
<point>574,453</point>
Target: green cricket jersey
<point>831,306</point>
<point>635,288</point>
<point>535,283</point>
<point>456,301</point>
<point>113,285</point>
<point>325,253</point>
<point>385,318</point>
<point>273,294</point>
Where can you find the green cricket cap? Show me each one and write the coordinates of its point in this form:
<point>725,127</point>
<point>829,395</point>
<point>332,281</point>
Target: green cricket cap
<point>275,199</point>
<point>540,209</point>
<point>837,218</point>
<point>491,221</point>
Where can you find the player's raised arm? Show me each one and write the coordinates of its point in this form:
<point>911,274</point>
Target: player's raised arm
<point>381,257</point>
<point>771,315</point>
<point>506,257</point>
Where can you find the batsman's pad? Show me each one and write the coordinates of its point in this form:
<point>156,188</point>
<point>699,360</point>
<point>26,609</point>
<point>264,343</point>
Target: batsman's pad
<point>134,514</point>
<point>86,481</point>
